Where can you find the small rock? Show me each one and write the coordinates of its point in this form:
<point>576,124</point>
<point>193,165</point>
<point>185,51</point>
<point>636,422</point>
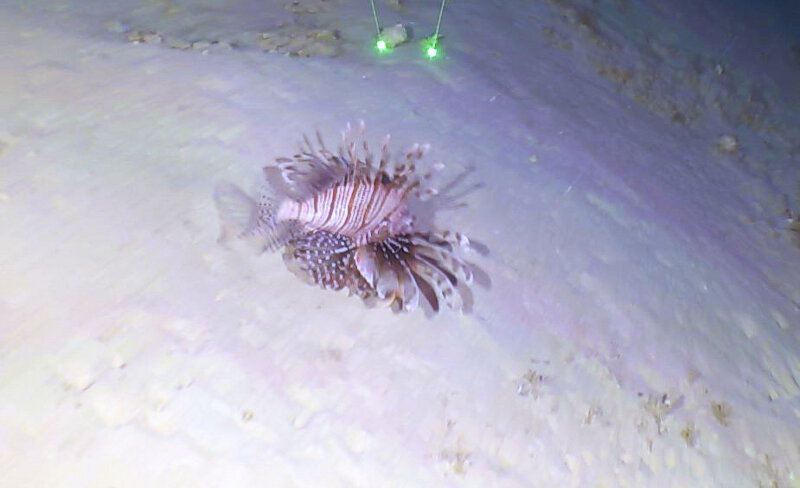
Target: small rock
<point>394,35</point>
<point>318,49</point>
<point>178,43</point>
<point>722,412</point>
<point>152,38</point>
<point>200,45</point>
<point>223,46</point>
<point>134,36</point>
<point>325,35</point>
<point>689,435</point>
<point>727,144</point>
<point>271,41</point>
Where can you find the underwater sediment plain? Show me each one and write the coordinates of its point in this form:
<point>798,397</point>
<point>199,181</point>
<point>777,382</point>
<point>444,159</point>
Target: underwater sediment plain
<point>630,171</point>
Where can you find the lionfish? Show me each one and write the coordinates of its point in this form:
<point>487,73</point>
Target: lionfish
<point>344,223</point>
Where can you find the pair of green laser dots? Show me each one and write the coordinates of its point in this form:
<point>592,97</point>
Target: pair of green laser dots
<point>430,44</point>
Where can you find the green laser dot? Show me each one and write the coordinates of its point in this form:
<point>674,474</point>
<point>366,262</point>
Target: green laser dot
<point>381,45</point>
<point>432,52</point>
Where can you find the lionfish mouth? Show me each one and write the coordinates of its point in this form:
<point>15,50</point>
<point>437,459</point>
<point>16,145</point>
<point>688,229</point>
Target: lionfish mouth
<point>344,223</point>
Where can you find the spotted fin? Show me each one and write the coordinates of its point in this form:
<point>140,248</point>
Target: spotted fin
<point>322,258</point>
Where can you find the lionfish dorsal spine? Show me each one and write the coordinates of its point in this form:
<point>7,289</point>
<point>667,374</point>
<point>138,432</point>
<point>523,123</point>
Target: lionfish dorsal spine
<point>385,154</point>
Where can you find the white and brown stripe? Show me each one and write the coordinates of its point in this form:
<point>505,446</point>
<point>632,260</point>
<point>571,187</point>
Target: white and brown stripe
<point>357,208</point>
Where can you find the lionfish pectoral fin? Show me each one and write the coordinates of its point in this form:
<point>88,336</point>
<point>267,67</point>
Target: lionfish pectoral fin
<point>440,280</point>
<point>366,264</point>
<point>238,212</point>
<point>438,267</point>
<point>427,291</point>
<point>441,249</point>
<point>387,283</point>
<point>409,289</point>
<point>458,268</point>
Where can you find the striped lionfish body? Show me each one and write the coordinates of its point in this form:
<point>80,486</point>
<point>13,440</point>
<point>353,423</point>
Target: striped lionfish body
<point>362,209</point>
<point>344,223</point>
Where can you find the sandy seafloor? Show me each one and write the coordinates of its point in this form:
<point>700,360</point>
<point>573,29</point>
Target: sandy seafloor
<point>642,327</point>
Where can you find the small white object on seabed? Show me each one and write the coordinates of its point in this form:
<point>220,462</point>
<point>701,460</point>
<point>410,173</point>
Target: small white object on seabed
<point>394,35</point>
<point>727,144</point>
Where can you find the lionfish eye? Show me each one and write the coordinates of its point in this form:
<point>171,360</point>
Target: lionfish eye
<point>385,178</point>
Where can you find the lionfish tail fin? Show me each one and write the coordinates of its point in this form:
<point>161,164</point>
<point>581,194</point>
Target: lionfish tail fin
<point>241,217</point>
<point>272,233</point>
<point>238,212</point>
